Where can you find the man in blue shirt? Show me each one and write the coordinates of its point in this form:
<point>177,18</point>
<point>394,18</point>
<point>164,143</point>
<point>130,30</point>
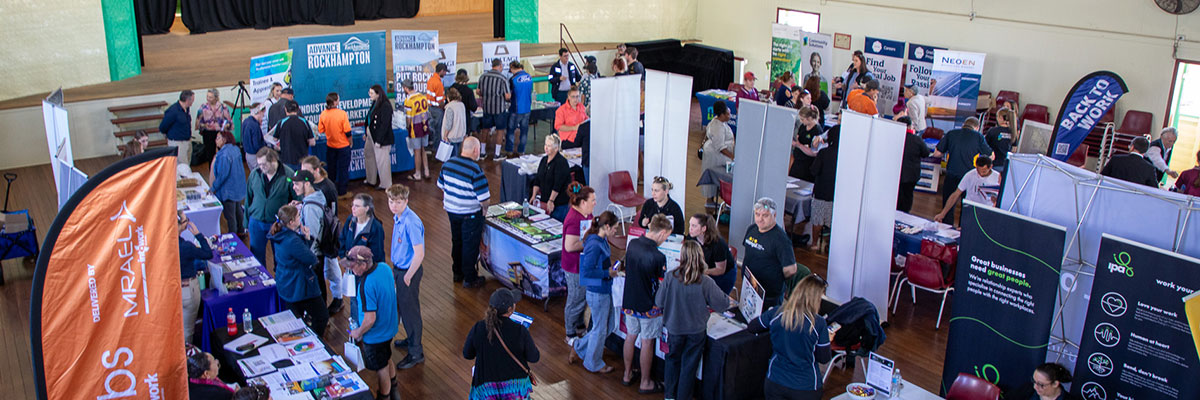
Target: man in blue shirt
<point>374,312</point>
<point>408,251</point>
<point>522,102</point>
<point>177,126</point>
<point>465,192</point>
<point>252,136</point>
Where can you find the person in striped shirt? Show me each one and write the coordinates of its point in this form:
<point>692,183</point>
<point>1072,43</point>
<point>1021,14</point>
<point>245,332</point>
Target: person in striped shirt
<point>494,94</point>
<point>465,191</point>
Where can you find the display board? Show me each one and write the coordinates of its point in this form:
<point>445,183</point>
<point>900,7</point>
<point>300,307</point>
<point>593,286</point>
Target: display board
<point>1085,105</point>
<point>919,67</point>
<point>817,49</point>
<point>864,208</point>
<point>885,60</point>
<point>347,63</point>
<point>801,53</point>
<point>786,53</point>
<point>448,54</point>
<point>507,51</point>
<point>760,170</point>
<point>668,110</point>
<point>1004,291</point>
<point>267,70</point>
<point>1136,342</point>
<point>954,87</point>
<point>616,109</point>
<point>58,142</point>
<point>414,56</point>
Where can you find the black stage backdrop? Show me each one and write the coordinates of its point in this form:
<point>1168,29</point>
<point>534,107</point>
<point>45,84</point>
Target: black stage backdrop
<point>1007,280</point>
<point>1136,342</point>
<point>200,16</point>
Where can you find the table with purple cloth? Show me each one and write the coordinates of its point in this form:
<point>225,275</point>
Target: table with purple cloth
<point>259,297</point>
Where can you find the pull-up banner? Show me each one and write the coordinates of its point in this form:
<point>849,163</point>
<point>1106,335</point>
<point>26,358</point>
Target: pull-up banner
<point>920,67</point>
<point>1004,293</point>
<point>414,56</point>
<point>1136,342</point>
<point>954,86</point>
<point>1085,104</point>
<point>347,64</point>
<point>786,43</point>
<point>105,320</point>
<point>885,60</point>
<point>269,69</point>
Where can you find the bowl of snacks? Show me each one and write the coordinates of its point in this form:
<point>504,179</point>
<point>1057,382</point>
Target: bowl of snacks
<point>860,391</point>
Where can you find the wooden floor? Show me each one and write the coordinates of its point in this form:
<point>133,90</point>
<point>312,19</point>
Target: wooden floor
<point>450,311</point>
<point>176,61</point>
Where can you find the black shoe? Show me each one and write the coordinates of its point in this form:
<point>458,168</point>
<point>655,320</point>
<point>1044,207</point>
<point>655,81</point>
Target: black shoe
<point>402,343</point>
<point>335,306</point>
<point>409,361</point>
<point>478,282</point>
<point>458,279</point>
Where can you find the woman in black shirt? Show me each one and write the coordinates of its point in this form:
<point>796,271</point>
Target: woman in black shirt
<point>468,96</point>
<point>551,180</point>
<point>804,144</point>
<point>1000,137</point>
<point>660,203</point>
<point>502,350</point>
<point>702,228</point>
<point>824,170</point>
<point>820,99</point>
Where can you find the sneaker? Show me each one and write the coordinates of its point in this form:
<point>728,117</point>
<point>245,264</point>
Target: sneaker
<point>478,282</point>
<point>335,306</point>
<point>409,361</point>
<point>571,340</point>
<point>499,157</point>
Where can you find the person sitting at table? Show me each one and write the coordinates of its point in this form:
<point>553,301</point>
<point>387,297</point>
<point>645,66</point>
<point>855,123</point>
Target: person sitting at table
<point>805,140</point>
<point>1189,181</point>
<point>502,350</point>
<point>193,256</point>
<point>229,182</point>
<point>972,184</point>
<point>799,341</point>
<point>718,148</point>
<point>569,118</point>
<point>596,275</point>
<point>202,369</point>
<point>136,146</point>
<point>702,229</point>
<point>252,392</point>
<point>362,228</point>
<point>915,149</point>
<point>376,316</point>
<point>824,170</point>
<point>295,278</point>
<point>551,180</point>
<point>685,297</point>
<point>644,268</point>
<point>660,203</point>
<point>747,90</point>
<point>863,100</point>
<point>583,201</point>
<point>1047,384</point>
<point>783,94</point>
<point>769,253</point>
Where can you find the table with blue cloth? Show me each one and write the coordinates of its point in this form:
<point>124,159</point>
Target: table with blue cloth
<point>257,293</point>
<point>709,97</point>
<point>402,159</point>
<point>798,203</point>
<point>904,244</point>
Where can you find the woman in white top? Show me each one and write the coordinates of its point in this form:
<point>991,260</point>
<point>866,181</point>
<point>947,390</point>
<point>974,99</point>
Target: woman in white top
<point>718,147</point>
<point>454,121</point>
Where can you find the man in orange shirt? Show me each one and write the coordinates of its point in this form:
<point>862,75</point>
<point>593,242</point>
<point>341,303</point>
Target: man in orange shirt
<point>437,99</point>
<point>571,122</point>
<point>863,100</point>
<point>335,124</point>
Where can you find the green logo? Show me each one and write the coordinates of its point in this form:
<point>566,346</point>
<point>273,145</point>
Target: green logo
<point>989,373</point>
<point>1120,264</point>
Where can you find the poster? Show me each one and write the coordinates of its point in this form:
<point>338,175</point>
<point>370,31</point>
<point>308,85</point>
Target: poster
<point>786,51</point>
<point>506,51</point>
<point>1004,295</point>
<point>752,294</point>
<point>1136,341</point>
<point>414,56</point>
<point>954,87</point>
<point>885,60</point>
<point>919,67</point>
<point>1085,104</point>
<point>1191,304</point>
<point>448,54</point>
<point>102,310</point>
<point>817,50</point>
<point>518,265</point>
<point>269,69</point>
<point>347,63</point>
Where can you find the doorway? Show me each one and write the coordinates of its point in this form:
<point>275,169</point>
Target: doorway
<point>1183,113</point>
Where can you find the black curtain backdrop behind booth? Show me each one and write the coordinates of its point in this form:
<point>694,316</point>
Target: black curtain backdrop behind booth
<point>202,16</point>
<point>1004,293</point>
<point>1136,342</point>
<point>154,16</point>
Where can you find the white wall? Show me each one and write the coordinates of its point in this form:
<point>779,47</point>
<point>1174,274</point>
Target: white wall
<point>51,43</point>
<point>1036,47</point>
<point>617,20</point>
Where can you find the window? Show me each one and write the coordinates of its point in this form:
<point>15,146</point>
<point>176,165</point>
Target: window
<point>806,21</point>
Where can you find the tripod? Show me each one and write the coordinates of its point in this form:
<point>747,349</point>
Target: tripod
<point>241,99</point>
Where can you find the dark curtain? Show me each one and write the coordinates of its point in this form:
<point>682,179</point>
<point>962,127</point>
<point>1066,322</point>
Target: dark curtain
<point>202,16</point>
<point>154,16</point>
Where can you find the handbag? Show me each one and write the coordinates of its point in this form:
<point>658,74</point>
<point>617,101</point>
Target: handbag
<point>444,152</point>
<point>532,380</point>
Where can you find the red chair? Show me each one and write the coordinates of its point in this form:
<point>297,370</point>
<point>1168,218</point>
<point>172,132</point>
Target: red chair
<point>733,87</point>
<point>1008,95</point>
<point>947,255</point>
<point>932,133</point>
<point>621,192</point>
<point>971,387</point>
<point>1079,157</point>
<point>925,273</point>
<point>726,196</point>
<point>1035,112</point>
<point>1136,123</point>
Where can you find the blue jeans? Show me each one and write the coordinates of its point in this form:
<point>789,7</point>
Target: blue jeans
<point>682,361</point>
<point>560,212</point>
<point>515,122</point>
<point>573,310</point>
<point>590,347</point>
<point>258,239</point>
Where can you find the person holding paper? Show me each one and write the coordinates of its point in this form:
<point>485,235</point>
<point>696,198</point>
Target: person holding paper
<point>193,256</point>
<point>718,147</point>
<point>685,297</point>
<point>644,268</point>
<point>569,118</point>
<point>660,203</point>
<point>596,275</point>
<point>769,253</point>
<point>202,370</point>
<point>799,341</point>
<point>295,278</point>
<point>376,317</point>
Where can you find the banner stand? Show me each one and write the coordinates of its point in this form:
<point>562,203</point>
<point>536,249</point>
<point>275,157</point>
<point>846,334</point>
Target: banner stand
<point>668,108</point>
<point>616,109</point>
<point>760,169</point>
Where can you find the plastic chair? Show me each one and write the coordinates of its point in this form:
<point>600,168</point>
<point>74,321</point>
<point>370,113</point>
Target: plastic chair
<point>947,255</point>
<point>971,387</point>
<point>1136,123</point>
<point>925,273</point>
<point>839,354</point>
<point>1008,95</point>
<point>932,133</point>
<point>621,193</point>
<point>1036,112</point>
<point>726,196</point>
<point>897,273</point>
<point>1079,157</point>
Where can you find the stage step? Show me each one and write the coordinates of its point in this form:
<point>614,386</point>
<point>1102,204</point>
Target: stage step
<point>140,118</point>
<point>132,107</point>
<point>129,133</point>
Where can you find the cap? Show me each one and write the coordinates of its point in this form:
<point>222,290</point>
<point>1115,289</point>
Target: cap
<point>748,75</point>
<point>503,299</point>
<point>287,91</point>
<point>302,176</point>
<point>357,254</point>
<point>407,84</point>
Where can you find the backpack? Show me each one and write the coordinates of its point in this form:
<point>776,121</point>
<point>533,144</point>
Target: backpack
<point>328,243</point>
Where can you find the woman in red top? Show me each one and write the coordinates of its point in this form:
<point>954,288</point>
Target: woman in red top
<point>569,117</point>
<point>1189,181</point>
<point>335,124</point>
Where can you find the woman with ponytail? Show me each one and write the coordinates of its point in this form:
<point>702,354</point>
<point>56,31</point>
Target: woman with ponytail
<point>502,350</point>
<point>295,278</point>
<point>660,203</point>
<point>685,297</point>
<point>1047,384</point>
<point>595,275</point>
<point>583,201</point>
<point>800,342</point>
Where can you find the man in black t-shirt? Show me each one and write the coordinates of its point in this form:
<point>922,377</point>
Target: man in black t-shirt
<point>295,137</point>
<point>769,254</point>
<point>644,269</point>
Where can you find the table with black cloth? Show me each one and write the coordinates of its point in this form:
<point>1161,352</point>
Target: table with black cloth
<point>259,298</point>
<point>798,203</point>
<point>516,185</point>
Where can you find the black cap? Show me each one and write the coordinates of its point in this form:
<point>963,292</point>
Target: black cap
<point>287,91</point>
<point>302,176</point>
<point>503,299</point>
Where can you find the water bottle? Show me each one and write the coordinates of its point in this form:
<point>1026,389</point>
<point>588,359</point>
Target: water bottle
<point>231,323</point>
<point>896,382</point>
<point>353,326</point>
<point>247,321</point>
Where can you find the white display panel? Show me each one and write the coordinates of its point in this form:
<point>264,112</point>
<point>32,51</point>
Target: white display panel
<point>668,108</point>
<point>615,107</point>
<point>760,164</point>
